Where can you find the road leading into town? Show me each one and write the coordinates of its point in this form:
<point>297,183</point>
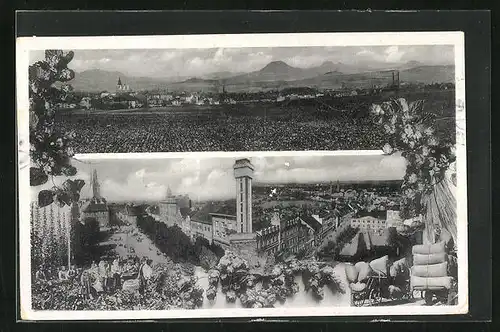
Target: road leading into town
<point>130,240</point>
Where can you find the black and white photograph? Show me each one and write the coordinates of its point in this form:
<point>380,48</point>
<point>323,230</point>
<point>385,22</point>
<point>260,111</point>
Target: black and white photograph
<point>245,99</point>
<point>249,232</point>
<point>275,175</point>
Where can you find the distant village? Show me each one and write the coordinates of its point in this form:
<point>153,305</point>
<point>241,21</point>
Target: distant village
<point>124,97</point>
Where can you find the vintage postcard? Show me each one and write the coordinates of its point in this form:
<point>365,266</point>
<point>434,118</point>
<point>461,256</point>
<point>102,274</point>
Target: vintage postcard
<point>216,176</point>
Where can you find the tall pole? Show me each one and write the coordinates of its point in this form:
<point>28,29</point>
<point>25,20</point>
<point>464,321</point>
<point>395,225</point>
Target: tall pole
<point>68,234</point>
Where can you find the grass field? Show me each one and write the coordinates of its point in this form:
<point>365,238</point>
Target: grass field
<point>334,124</point>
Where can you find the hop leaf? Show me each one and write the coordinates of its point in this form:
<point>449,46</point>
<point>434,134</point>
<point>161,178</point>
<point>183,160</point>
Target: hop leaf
<point>64,198</point>
<point>45,197</point>
<point>65,75</point>
<point>70,171</point>
<point>37,176</point>
<point>403,105</point>
<point>33,120</point>
<point>79,184</point>
<point>53,56</point>
<point>68,185</point>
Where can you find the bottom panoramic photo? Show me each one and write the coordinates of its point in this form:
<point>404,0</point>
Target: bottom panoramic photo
<point>242,232</point>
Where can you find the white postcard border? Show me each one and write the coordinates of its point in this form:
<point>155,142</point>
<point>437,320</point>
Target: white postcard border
<point>26,44</point>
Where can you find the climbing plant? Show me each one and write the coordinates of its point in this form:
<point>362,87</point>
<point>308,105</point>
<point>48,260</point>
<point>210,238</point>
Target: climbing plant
<point>411,131</point>
<point>50,148</point>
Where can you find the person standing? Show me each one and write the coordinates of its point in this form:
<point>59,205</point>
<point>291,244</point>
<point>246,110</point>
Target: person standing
<point>40,275</point>
<point>116,273</point>
<point>63,275</point>
<point>145,273</point>
<point>86,284</point>
<point>100,273</point>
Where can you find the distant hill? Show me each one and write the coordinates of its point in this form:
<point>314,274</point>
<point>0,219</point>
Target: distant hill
<point>429,74</point>
<point>421,74</point>
<point>96,80</point>
<point>221,75</point>
<point>274,71</point>
<point>275,75</point>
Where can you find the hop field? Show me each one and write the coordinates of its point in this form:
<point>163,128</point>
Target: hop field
<point>337,124</point>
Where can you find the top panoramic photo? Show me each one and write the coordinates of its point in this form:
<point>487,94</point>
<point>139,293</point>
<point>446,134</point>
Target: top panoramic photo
<point>272,98</point>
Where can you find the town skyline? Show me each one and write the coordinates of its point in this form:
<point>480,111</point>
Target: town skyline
<point>212,178</point>
<point>182,63</point>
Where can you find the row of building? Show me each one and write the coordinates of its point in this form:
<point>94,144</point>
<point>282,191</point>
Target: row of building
<point>229,224</point>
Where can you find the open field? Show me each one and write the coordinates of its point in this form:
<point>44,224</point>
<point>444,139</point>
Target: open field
<point>328,124</point>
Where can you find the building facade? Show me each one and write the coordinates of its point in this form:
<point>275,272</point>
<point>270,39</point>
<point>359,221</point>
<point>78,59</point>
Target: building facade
<point>223,226</point>
<point>268,239</point>
<point>168,209</point>
<point>174,210</point>
<point>393,219</point>
<point>368,223</point>
<point>201,228</point>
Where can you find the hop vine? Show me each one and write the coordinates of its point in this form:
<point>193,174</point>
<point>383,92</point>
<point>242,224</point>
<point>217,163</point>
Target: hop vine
<point>411,131</point>
<point>50,148</point>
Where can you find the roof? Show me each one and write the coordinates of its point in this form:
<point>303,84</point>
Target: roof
<point>184,211</point>
<point>308,219</point>
<point>364,241</point>
<point>224,215</point>
<point>95,207</point>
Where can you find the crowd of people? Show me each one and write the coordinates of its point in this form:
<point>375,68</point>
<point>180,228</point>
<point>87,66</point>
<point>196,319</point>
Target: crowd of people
<point>107,276</point>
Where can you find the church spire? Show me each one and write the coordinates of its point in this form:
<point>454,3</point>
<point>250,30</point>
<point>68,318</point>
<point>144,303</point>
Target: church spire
<point>119,81</point>
<point>96,189</point>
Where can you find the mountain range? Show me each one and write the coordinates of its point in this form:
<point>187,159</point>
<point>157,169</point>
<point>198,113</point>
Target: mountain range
<point>274,75</point>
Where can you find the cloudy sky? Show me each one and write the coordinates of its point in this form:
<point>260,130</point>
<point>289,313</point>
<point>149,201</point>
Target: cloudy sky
<point>212,179</point>
<point>162,63</point>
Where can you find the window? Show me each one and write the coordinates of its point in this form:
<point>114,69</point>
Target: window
<point>242,227</point>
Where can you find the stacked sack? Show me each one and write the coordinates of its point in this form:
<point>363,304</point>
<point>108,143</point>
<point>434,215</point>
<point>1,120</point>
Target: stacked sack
<point>358,274</point>
<point>430,267</point>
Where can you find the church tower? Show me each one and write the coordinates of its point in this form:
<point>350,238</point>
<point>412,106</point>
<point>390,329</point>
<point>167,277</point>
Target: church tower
<point>243,173</point>
<point>96,188</point>
<point>119,85</point>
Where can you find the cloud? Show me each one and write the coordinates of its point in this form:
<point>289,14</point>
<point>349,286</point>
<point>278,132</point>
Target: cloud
<point>213,179</point>
<point>198,62</point>
<point>393,54</point>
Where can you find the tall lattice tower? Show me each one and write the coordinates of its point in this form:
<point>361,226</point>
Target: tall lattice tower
<point>243,173</point>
